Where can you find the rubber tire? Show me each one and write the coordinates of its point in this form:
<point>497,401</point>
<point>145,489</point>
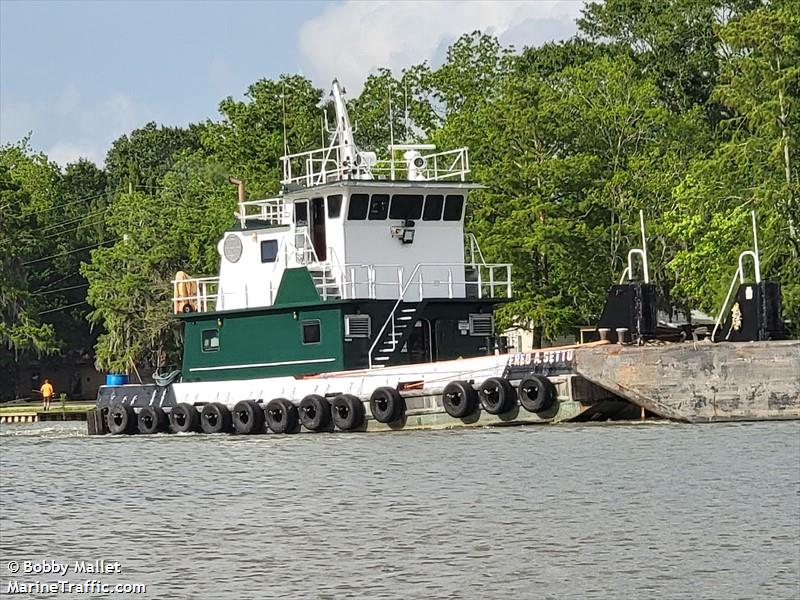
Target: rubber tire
<point>497,395</point>
<point>121,419</point>
<point>152,419</point>
<point>348,412</point>
<point>459,399</point>
<point>282,416</point>
<point>387,405</point>
<point>248,417</point>
<point>536,393</point>
<point>216,418</point>
<point>315,412</point>
<point>184,418</point>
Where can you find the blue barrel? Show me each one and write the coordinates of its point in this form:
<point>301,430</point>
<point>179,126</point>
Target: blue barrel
<point>116,379</point>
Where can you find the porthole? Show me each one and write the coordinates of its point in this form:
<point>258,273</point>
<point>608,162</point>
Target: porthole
<point>232,248</point>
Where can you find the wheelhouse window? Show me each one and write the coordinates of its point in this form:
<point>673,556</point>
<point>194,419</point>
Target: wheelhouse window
<point>334,206</point>
<point>406,206</point>
<point>453,207</point>
<point>359,204</point>
<point>311,331</point>
<point>269,251</point>
<point>433,208</point>
<point>378,207</point>
<point>210,340</point>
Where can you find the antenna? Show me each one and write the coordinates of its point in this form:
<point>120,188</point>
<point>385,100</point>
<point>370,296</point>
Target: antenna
<point>283,110</point>
<point>405,99</point>
<point>391,119</point>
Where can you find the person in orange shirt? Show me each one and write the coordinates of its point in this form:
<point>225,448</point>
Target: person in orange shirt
<point>47,393</point>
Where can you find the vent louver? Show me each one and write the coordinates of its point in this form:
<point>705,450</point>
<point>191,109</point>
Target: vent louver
<point>481,325</point>
<point>357,326</point>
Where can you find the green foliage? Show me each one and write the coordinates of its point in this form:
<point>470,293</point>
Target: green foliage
<point>26,184</point>
<point>138,161</point>
<point>249,140</point>
<point>752,166</point>
<point>130,281</point>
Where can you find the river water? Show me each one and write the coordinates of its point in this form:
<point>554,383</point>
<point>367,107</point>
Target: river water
<point>653,510</point>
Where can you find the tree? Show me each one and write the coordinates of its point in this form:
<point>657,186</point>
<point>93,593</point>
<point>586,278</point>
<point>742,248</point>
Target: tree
<point>130,286</point>
<point>249,141</point>
<point>137,161</point>
<point>673,41</point>
<point>751,168</point>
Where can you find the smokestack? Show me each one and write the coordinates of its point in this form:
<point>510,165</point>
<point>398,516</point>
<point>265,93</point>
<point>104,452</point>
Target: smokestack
<point>240,183</point>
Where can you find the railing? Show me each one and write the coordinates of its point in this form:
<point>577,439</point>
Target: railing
<point>351,281</point>
<point>452,165</point>
<point>739,275</point>
<point>273,211</point>
<point>627,274</point>
<point>474,249</point>
<point>322,165</point>
<point>319,166</point>
<point>195,294</point>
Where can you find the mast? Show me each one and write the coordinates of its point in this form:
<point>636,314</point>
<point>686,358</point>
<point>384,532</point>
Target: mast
<point>348,152</point>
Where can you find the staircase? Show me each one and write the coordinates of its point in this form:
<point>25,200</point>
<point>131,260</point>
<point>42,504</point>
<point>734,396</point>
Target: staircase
<point>324,281</point>
<point>395,333</point>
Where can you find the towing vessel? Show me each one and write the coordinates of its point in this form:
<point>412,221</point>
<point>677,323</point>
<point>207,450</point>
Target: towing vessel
<point>354,301</point>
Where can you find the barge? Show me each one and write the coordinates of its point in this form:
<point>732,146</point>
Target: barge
<point>355,301</point>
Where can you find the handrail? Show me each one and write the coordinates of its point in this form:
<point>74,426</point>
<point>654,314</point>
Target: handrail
<point>473,245</point>
<point>418,271</point>
<point>348,278</point>
<point>319,166</point>
<point>641,252</point>
<point>392,313</point>
<point>271,210</point>
<point>739,274</point>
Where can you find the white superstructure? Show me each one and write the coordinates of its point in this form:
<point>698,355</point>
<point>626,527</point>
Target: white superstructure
<point>363,228</point>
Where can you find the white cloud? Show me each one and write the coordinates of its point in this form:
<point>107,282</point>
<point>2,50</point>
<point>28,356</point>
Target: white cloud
<point>66,152</point>
<point>16,120</point>
<point>351,39</point>
<point>69,126</point>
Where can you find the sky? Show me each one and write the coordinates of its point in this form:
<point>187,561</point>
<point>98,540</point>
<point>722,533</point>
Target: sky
<point>80,74</point>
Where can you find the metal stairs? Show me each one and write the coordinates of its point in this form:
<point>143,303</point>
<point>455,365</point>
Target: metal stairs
<point>395,332</point>
<point>324,281</point>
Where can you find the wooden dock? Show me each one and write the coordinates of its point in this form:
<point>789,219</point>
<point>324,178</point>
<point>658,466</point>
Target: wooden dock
<point>26,413</point>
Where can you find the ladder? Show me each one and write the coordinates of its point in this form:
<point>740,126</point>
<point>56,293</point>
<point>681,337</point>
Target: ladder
<point>400,323</point>
<point>325,282</point>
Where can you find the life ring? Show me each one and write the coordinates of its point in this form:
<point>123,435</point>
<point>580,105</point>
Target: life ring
<point>282,416</point>
<point>459,399</point>
<point>387,405</point>
<point>184,418</point>
<point>152,419</point>
<point>215,418</point>
<point>315,412</point>
<point>121,419</point>
<point>347,412</point>
<point>496,395</point>
<point>248,417</point>
<point>536,393</point>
